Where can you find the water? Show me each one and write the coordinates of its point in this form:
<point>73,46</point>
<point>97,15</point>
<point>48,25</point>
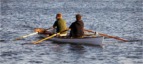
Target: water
<point>123,18</point>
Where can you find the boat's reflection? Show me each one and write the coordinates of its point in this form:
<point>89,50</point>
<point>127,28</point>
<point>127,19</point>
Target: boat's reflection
<point>72,47</point>
<point>76,47</point>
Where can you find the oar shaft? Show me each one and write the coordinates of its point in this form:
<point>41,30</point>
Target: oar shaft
<point>26,35</point>
<point>37,42</point>
<point>30,34</point>
<point>109,36</point>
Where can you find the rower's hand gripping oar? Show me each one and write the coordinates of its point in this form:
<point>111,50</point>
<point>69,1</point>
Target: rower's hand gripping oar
<point>39,41</point>
<point>109,36</point>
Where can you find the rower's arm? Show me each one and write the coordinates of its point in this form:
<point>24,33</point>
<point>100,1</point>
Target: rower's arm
<point>89,31</point>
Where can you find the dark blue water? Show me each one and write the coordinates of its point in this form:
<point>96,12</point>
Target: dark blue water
<point>123,18</point>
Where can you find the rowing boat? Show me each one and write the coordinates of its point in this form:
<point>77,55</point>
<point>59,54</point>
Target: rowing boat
<point>85,40</point>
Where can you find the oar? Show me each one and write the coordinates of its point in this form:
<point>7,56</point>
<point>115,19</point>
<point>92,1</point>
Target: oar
<point>115,37</point>
<point>39,41</point>
<point>109,36</point>
<point>26,36</point>
<point>31,34</point>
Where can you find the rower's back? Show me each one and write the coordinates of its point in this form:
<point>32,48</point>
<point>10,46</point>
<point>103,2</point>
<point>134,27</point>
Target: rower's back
<point>77,27</point>
<point>60,24</point>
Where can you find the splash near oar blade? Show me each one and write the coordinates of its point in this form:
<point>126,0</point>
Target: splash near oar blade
<point>31,34</point>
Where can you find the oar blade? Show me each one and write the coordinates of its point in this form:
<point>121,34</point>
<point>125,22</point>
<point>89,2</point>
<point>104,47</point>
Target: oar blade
<point>31,34</point>
<point>118,38</point>
<point>17,39</point>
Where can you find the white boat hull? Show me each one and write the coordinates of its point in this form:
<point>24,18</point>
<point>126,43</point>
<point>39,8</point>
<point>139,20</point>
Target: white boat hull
<point>87,40</point>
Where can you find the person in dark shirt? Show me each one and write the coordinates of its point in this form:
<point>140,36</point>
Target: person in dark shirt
<point>77,27</point>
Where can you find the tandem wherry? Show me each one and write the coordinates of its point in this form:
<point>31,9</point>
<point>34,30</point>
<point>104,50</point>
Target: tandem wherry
<point>86,40</point>
<point>98,41</point>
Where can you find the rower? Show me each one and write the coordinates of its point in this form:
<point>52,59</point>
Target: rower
<point>59,25</point>
<point>77,27</point>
